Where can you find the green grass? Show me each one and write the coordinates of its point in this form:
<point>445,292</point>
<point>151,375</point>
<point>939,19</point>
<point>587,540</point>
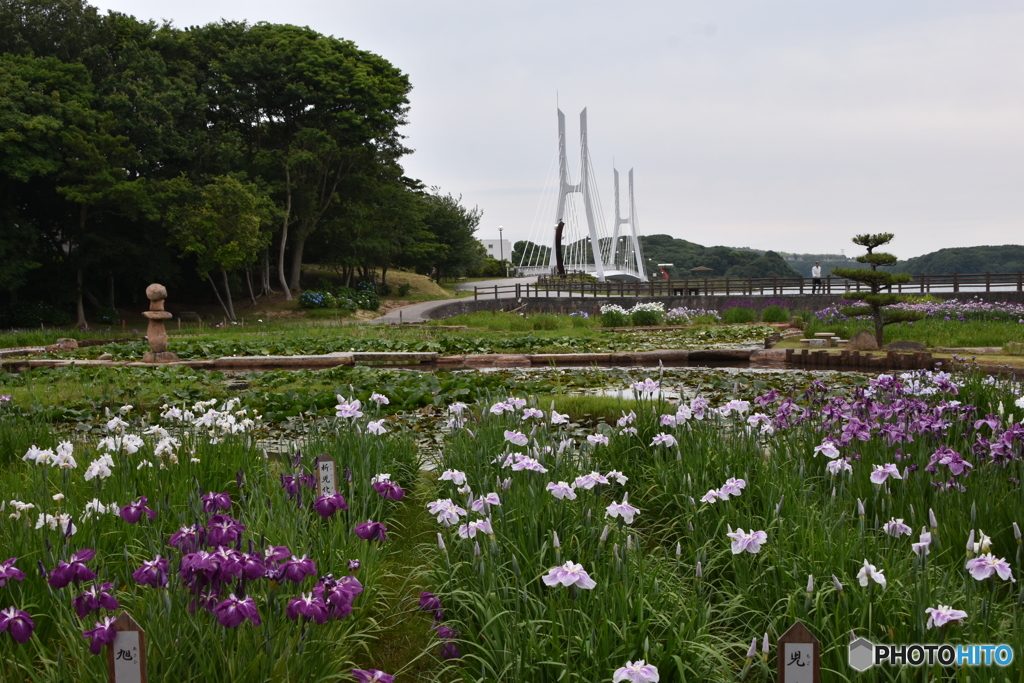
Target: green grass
<point>932,332</point>
<point>589,409</point>
<point>501,321</point>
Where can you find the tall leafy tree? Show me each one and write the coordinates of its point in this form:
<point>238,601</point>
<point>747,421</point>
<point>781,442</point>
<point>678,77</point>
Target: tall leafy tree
<point>221,225</point>
<point>454,227</point>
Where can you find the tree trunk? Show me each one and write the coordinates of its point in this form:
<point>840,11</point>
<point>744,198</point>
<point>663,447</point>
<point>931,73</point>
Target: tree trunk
<point>296,272</point>
<point>284,232</point>
<point>80,305</point>
<point>219,300</point>
<point>265,273</point>
<point>383,274</point>
<point>227,295</point>
<point>248,281</point>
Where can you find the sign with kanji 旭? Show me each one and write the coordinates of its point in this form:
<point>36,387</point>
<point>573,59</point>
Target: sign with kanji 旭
<point>326,475</point>
<point>126,656</point>
<point>799,656</point>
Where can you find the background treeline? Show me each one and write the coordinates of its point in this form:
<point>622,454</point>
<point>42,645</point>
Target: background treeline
<point>215,159</point>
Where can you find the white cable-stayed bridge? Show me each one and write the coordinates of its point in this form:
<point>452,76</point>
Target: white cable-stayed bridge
<point>578,240</point>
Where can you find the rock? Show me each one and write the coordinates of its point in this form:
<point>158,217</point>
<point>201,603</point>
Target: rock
<point>818,343</point>
<point>236,385</point>
<point>64,344</point>
<point>904,346</point>
<point>159,357</point>
<point>156,292</point>
<point>105,356</point>
<point>862,341</point>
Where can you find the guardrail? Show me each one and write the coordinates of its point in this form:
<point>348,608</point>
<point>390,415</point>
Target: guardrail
<point>771,286</point>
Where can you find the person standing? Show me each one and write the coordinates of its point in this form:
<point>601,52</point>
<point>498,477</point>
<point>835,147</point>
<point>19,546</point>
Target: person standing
<point>816,283</point>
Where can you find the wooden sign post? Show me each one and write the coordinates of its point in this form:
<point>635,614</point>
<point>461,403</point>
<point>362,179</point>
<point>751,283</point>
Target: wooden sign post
<point>126,656</point>
<point>326,475</point>
<point>799,656</point>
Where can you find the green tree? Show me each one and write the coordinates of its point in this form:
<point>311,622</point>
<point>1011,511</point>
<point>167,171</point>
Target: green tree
<point>526,253</point>
<point>221,224</point>
<point>453,227</point>
<point>874,300</point>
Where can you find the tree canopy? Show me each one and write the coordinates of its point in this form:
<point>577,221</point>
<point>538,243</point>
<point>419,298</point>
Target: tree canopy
<point>137,151</point>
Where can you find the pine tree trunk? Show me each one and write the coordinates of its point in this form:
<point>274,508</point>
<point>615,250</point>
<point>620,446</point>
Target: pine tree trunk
<point>80,304</point>
<point>227,295</point>
<point>217,293</point>
<point>284,233</point>
<point>296,271</point>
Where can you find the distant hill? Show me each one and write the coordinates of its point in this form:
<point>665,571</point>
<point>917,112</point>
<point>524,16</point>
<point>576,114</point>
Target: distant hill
<point>723,261</point>
<point>1008,258</point>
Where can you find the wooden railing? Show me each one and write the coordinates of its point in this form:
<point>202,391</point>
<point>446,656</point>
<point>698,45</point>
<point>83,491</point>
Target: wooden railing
<point>770,286</point>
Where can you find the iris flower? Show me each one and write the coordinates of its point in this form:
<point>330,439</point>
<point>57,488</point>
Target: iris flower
<point>986,565</point>
<point>372,676</point>
<point>232,612</point>
<point>152,573</point>
<point>732,487</point>
<point>869,573</point>
<point>371,531</point>
<point>623,510</point>
<point>94,598</point>
<point>376,427</point>
<point>598,439</point>
<point>562,490</point>
<point>923,546</point>
<point>308,606</point>
<point>297,569</point>
<point>75,570</point>
<point>188,539</point>
<point>326,506</point>
<point>896,527</point>
<point>18,623</point>
<point>666,440</point>
<point>212,501</point>
<point>569,574</point>
<point>222,530</point>
<point>470,530</point>
<point>589,481</point>
<point>636,672</point>
<point>431,603</point>
<point>389,490</point>
<point>380,399</point>
<point>454,476</point>
<point>133,512</point>
<point>750,542</point>
<point>8,572</point>
<point>516,438</point>
<point>103,634</point>
<point>942,615</point>
<point>447,512</point>
<point>883,472</point>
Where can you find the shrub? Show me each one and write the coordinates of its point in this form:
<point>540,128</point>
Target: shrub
<point>580,319</point>
<point>312,298</point>
<point>368,301</point>
<point>404,288</point>
<point>797,321</point>
<point>775,314</point>
<point>33,314</point>
<point>384,289</point>
<point>738,314</point>
<point>646,318</point>
<point>686,316</point>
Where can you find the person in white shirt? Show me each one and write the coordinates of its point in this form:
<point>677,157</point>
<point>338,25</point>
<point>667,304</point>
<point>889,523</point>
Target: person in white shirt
<point>816,285</point>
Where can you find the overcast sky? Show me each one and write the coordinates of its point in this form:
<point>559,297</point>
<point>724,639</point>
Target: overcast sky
<point>790,125</point>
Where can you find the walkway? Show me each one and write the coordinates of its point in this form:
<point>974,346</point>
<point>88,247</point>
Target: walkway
<point>417,313</point>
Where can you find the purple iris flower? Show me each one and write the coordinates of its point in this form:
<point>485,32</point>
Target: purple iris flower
<point>276,553</point>
<point>232,612</point>
<point>223,530</point>
<point>8,572</point>
<point>450,651</point>
<point>291,487</point>
<point>326,506</point>
<point>18,623</point>
<point>308,606</point>
<point>132,512</point>
<point>307,480</point>
<point>103,634</point>
<point>75,570</point>
<point>297,569</point>
<point>371,531</point>
<point>389,490</point>
<point>339,594</point>
<point>188,539</point>
<point>95,598</point>
<point>372,676</point>
<point>353,565</point>
<point>431,603</point>
<point>152,573</point>
<point>252,566</point>
<point>212,501</point>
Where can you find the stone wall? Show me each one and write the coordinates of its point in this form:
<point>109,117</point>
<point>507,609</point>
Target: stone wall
<point>592,305</point>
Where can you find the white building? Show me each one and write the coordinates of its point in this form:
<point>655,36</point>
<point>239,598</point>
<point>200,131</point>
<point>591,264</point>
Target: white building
<point>498,249</point>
